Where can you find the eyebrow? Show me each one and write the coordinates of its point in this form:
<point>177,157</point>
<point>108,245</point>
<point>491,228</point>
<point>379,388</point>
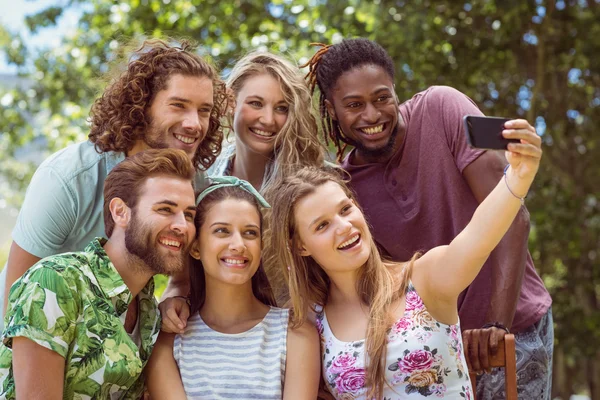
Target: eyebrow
<point>351,96</point>
<point>228,224</point>
<point>186,101</point>
<point>255,96</point>
<point>172,203</point>
<point>314,221</point>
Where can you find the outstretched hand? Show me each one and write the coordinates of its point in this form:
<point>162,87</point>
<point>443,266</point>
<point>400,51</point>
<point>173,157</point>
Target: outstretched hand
<point>480,345</point>
<point>524,157</point>
<point>174,312</point>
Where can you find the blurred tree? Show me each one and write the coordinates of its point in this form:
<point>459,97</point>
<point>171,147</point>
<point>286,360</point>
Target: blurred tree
<point>535,59</point>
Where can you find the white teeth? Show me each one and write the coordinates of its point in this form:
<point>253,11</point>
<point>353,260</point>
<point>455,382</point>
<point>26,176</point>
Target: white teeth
<point>173,243</point>
<point>232,261</point>
<point>185,139</point>
<point>263,133</point>
<point>349,242</point>
<point>373,130</point>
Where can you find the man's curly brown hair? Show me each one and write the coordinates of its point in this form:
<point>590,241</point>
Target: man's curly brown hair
<point>120,116</point>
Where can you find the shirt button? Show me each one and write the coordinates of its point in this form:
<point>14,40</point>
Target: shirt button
<point>403,197</point>
<point>394,182</point>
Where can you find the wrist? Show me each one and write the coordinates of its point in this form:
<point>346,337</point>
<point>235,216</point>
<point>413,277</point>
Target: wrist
<point>495,324</point>
<point>186,298</point>
<point>515,185</point>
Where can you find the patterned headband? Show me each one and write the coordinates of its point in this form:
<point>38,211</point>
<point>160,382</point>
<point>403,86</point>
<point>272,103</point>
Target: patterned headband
<point>231,181</point>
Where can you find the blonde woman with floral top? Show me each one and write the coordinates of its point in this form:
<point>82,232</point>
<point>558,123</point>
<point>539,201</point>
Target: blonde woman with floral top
<point>389,330</point>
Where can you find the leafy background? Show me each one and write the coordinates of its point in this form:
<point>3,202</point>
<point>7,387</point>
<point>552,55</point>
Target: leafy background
<point>537,59</point>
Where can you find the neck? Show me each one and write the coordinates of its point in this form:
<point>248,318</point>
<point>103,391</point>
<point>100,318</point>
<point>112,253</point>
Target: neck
<point>342,289</point>
<point>228,305</point>
<point>248,165</point>
<point>133,271</point>
<point>139,145</point>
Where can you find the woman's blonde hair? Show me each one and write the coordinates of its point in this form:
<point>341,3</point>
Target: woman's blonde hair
<point>378,285</point>
<point>296,145</point>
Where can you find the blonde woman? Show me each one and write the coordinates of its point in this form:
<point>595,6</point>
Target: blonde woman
<point>388,330</point>
<point>275,133</point>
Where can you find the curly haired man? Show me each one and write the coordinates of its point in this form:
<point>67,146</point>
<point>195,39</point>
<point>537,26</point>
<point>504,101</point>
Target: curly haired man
<point>168,97</point>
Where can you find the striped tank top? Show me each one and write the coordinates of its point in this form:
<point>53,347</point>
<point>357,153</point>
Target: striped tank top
<point>247,365</point>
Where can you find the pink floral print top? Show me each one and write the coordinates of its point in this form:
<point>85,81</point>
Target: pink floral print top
<point>424,358</point>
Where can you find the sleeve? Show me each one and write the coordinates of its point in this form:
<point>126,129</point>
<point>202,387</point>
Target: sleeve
<point>47,216</point>
<point>451,106</point>
<point>42,308</point>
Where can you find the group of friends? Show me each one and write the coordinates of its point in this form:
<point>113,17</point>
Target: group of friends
<point>388,275</point>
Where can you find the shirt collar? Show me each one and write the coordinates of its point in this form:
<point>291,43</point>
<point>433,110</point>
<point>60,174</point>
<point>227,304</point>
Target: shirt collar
<point>110,280</point>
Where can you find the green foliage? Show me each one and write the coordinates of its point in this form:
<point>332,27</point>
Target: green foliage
<point>532,59</point>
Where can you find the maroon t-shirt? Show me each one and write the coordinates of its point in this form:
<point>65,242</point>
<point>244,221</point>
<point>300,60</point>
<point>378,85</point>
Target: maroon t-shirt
<point>420,200</point>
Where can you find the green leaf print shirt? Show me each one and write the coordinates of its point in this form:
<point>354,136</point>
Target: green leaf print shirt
<point>75,304</point>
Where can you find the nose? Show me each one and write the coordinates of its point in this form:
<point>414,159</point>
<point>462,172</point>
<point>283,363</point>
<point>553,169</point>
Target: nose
<point>191,122</point>
<point>267,118</point>
<point>237,243</point>
<point>371,113</point>
<point>343,226</point>
<point>179,223</point>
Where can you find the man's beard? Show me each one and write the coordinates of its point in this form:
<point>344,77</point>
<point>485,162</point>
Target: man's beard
<point>373,154</point>
<point>139,244</point>
<point>154,137</point>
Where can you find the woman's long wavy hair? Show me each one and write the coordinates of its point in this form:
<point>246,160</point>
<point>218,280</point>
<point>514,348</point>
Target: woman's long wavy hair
<point>260,284</point>
<point>296,145</point>
<point>120,116</point>
<point>380,284</point>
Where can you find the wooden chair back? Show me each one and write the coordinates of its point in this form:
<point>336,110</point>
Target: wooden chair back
<point>505,358</point>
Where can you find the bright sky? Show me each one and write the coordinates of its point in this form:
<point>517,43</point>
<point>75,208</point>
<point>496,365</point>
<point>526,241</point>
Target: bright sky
<point>13,16</point>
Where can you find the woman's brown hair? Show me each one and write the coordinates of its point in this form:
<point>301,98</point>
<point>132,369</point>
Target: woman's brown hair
<point>260,284</point>
<point>379,284</point>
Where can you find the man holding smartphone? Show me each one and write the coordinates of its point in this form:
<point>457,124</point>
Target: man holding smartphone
<point>419,183</point>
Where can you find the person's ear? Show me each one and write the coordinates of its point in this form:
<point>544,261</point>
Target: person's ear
<point>120,212</point>
<point>302,250</point>
<point>330,109</point>
<point>195,250</point>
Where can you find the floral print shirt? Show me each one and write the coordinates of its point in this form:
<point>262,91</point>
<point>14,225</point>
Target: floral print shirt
<point>424,358</point>
<point>75,305</point>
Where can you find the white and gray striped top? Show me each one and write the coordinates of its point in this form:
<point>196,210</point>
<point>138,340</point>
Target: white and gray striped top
<point>247,365</point>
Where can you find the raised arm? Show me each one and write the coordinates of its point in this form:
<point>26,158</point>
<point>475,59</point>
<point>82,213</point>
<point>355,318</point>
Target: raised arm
<point>508,260</point>
<point>162,375</point>
<point>464,257</point>
<point>303,363</point>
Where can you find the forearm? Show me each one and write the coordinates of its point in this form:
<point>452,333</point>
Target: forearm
<point>507,263</point>
<point>178,285</point>
<point>491,220</point>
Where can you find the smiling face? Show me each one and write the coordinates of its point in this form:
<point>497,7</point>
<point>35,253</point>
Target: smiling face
<point>179,114</point>
<point>229,242</point>
<point>161,228</point>
<point>365,106</point>
<point>332,230</point>
<point>260,113</point>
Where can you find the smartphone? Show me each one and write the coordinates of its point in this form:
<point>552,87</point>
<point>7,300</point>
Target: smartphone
<point>486,132</point>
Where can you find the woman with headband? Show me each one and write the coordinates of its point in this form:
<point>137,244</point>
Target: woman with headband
<point>236,343</point>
